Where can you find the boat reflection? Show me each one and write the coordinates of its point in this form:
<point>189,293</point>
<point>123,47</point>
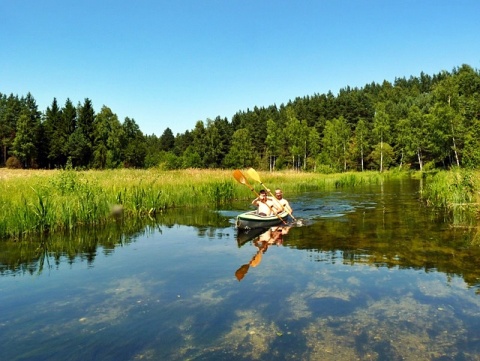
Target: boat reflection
<point>261,239</point>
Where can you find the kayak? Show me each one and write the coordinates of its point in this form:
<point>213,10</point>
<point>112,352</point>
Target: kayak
<point>250,220</point>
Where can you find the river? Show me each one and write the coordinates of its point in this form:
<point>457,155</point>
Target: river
<point>368,274</point>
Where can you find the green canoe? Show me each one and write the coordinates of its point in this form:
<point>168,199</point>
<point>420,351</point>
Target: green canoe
<point>250,220</point>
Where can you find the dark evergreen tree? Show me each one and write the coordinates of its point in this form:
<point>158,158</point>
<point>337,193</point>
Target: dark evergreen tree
<point>167,140</point>
<point>198,147</point>
<point>79,149</point>
<point>53,136</point>
<point>182,142</point>
<point>65,130</point>
<point>85,121</point>
<point>26,144</point>
<point>10,108</point>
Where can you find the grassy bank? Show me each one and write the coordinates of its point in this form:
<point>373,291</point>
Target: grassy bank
<point>39,201</point>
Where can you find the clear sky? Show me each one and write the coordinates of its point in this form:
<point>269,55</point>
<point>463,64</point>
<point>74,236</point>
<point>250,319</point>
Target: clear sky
<point>172,63</point>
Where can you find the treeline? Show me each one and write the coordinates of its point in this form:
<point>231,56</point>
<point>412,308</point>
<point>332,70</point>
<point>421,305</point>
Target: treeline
<point>421,122</point>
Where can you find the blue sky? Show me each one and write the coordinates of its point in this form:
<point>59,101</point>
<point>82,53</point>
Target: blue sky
<point>172,63</point>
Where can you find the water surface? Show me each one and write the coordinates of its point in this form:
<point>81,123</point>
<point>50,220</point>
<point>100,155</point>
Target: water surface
<point>372,275</point>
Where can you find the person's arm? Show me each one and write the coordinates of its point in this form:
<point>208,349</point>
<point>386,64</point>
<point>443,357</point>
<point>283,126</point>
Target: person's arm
<point>277,205</point>
<point>274,209</point>
<point>287,206</point>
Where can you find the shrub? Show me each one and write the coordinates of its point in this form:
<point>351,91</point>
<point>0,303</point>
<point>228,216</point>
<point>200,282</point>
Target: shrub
<point>324,169</point>
<point>14,163</point>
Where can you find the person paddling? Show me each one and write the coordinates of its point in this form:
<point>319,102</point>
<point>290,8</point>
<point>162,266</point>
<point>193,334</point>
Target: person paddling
<point>263,204</point>
<point>279,200</point>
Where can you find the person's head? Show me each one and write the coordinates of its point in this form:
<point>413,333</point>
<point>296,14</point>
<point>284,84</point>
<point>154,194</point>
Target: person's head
<point>263,195</point>
<point>278,194</point>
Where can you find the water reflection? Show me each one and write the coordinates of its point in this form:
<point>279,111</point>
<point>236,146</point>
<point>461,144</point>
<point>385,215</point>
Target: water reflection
<point>373,276</point>
<point>49,250</point>
<point>268,237</point>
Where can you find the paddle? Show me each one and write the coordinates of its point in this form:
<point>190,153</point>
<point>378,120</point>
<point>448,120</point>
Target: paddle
<point>241,179</point>
<point>254,175</point>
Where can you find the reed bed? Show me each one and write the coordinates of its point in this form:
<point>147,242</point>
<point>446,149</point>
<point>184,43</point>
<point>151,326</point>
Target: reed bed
<point>452,189</point>
<point>43,201</point>
<point>295,182</point>
<point>457,192</point>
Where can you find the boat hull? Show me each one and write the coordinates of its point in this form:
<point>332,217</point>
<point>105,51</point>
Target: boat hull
<point>251,220</point>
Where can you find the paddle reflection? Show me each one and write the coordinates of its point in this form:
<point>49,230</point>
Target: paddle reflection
<point>269,237</point>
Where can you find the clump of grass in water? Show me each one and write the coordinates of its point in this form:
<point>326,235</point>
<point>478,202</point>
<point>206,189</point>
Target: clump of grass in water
<point>42,212</point>
<point>450,189</point>
<point>218,193</point>
<point>457,191</point>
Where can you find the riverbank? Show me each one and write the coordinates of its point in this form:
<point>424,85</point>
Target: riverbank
<point>43,201</point>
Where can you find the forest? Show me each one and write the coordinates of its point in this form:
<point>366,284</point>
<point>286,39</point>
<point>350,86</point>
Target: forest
<point>422,123</point>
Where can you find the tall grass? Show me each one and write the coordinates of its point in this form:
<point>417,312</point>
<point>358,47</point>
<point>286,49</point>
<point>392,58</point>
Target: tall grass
<point>457,192</point>
<point>40,201</point>
<point>452,189</point>
<point>294,182</point>
<point>44,201</point>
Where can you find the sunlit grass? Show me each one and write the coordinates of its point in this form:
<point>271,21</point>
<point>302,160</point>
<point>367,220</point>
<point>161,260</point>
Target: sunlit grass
<point>457,191</point>
<point>451,189</point>
<point>40,201</point>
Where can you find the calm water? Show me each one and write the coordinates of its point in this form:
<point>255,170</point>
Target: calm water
<point>372,275</point>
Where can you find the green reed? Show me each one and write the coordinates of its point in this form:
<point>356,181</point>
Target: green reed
<point>39,201</point>
<point>456,191</point>
<point>291,182</point>
<point>455,188</point>
<point>62,200</point>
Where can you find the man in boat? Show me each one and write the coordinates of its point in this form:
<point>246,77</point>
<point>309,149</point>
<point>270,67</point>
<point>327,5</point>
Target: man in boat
<point>265,206</point>
<point>279,200</point>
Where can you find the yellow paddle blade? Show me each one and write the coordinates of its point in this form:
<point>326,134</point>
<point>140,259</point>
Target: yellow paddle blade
<point>254,175</point>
